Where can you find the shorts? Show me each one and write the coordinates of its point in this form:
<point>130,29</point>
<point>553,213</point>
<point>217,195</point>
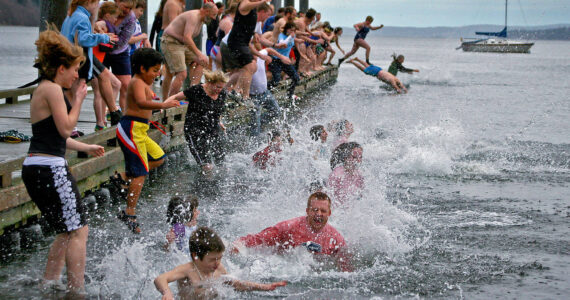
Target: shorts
<point>120,64</point>
<point>319,49</point>
<point>54,191</point>
<point>137,147</point>
<point>176,55</point>
<point>98,67</point>
<point>372,70</point>
<point>209,45</point>
<point>206,149</point>
<point>235,58</point>
<point>83,72</point>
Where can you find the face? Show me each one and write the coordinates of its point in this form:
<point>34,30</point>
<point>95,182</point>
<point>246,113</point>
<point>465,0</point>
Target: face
<point>263,15</point>
<point>215,88</point>
<point>149,75</point>
<point>290,31</point>
<point>401,60</point>
<point>354,159</point>
<point>92,7</point>
<point>318,214</point>
<point>276,143</point>
<point>339,33</point>
<point>195,214</point>
<point>210,15</point>
<point>124,8</point>
<point>139,11</point>
<point>349,129</point>
<point>68,75</point>
<point>111,18</point>
<point>324,136</point>
<point>209,263</point>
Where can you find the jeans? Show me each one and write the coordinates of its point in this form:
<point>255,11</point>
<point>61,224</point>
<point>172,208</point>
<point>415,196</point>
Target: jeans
<point>265,101</point>
<point>276,66</point>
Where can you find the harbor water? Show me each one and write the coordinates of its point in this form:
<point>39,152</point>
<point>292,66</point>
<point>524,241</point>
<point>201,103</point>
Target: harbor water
<point>467,184</point>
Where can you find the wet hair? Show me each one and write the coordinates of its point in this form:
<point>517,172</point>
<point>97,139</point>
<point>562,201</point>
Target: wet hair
<point>318,196</point>
<point>55,50</point>
<point>108,7</point>
<point>342,152</point>
<point>337,30</point>
<point>75,3</point>
<point>289,25</point>
<point>203,241</point>
<point>274,134</point>
<point>316,132</point>
<point>181,210</point>
<point>140,3</point>
<point>215,76</point>
<point>145,58</point>
<point>339,126</point>
<point>369,19</point>
<point>289,10</point>
<point>397,57</point>
<point>316,186</point>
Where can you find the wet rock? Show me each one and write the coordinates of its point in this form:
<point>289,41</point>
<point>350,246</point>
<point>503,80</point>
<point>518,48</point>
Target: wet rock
<point>9,242</point>
<point>91,202</point>
<point>103,195</point>
<point>30,236</point>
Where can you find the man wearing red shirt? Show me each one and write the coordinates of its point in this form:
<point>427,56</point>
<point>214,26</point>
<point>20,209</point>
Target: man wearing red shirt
<point>311,231</point>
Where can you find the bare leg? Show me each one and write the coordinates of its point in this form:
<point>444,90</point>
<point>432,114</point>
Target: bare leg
<point>357,64</point>
<point>97,103</point>
<point>75,259</point>
<point>362,43</point>
<point>365,64</point>
<point>135,187</point>
<point>196,72</point>
<point>330,49</point>
<point>176,83</point>
<point>355,47</point>
<point>56,257</point>
<point>232,82</point>
<point>106,89</point>
<point>166,82</point>
<point>125,79</point>
<point>244,81</point>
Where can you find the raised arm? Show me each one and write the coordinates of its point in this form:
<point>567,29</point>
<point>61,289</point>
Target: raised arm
<point>65,122</point>
<point>248,5</point>
<point>376,27</point>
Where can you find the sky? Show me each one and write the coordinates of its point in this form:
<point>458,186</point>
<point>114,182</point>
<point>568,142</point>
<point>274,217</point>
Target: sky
<point>432,13</point>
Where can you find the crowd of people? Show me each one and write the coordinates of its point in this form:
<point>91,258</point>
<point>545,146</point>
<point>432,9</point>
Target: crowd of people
<point>103,44</point>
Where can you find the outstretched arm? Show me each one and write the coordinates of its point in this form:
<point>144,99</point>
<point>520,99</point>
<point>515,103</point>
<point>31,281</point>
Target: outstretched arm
<point>161,282</point>
<point>376,27</point>
<point>241,285</point>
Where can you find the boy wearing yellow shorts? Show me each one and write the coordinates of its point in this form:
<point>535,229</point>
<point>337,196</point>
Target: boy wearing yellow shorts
<point>142,154</point>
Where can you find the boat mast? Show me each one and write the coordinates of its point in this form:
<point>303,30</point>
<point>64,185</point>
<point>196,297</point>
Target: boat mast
<point>506,1</point>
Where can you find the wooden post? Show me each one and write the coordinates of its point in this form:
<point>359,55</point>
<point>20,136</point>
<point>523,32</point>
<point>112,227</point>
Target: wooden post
<point>289,3</point>
<point>303,5</point>
<point>52,11</point>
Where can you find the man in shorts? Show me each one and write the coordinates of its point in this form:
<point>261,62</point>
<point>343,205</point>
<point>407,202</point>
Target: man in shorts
<point>179,48</point>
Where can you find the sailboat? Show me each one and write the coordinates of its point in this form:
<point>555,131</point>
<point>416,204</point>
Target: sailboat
<point>499,44</point>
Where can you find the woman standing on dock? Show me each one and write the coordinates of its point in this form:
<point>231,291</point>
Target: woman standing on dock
<point>45,172</point>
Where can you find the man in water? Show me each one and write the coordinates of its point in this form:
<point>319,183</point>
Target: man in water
<point>377,72</point>
<point>311,231</point>
<point>179,48</point>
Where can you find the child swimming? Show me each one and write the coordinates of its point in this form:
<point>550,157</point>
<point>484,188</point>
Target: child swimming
<point>182,215</point>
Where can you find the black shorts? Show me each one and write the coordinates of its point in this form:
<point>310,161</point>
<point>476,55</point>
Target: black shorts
<point>84,69</point>
<point>235,58</point>
<point>98,67</point>
<point>54,190</point>
<point>120,64</point>
<point>206,149</point>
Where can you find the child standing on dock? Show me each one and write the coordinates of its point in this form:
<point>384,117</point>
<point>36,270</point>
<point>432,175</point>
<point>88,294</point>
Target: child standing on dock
<point>142,154</point>
<point>45,172</point>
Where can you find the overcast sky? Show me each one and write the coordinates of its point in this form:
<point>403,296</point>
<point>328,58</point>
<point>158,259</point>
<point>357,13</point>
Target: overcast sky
<point>430,13</point>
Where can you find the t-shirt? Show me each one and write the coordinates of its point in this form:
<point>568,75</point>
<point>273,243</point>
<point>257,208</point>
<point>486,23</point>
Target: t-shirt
<point>289,40</point>
<point>269,23</point>
<point>203,116</point>
<point>346,186</point>
<point>294,232</point>
<point>259,78</point>
<point>258,27</point>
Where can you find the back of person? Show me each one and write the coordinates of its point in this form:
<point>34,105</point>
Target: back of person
<point>243,29</point>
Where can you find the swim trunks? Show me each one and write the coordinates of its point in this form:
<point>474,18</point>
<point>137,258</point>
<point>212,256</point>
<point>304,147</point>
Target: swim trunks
<point>372,70</point>
<point>54,190</point>
<point>176,55</point>
<point>137,147</point>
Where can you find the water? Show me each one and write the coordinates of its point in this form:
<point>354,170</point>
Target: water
<point>467,184</point>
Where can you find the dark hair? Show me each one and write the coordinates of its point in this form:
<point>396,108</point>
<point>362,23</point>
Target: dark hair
<point>160,8</point>
<point>281,10</point>
<point>219,4</point>
<point>278,17</point>
<point>316,132</point>
<point>310,13</point>
<point>370,19</point>
<point>274,134</point>
<point>146,58</point>
<point>181,210</point>
<point>396,57</point>
<point>318,196</point>
<point>288,26</point>
<point>342,152</point>
<point>289,10</point>
<point>264,7</point>
<point>337,30</point>
<point>203,241</point>
<point>140,3</point>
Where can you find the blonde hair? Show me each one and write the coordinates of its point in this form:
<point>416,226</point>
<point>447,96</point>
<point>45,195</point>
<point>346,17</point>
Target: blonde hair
<point>108,7</point>
<point>75,3</point>
<point>370,19</point>
<point>215,76</point>
<point>55,50</point>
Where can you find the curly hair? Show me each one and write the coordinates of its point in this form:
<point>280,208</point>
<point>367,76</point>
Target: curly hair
<point>55,50</point>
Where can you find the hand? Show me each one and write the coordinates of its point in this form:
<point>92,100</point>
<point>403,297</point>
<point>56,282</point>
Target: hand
<point>143,36</point>
<point>167,295</point>
<point>416,70</point>
<point>222,127</point>
<point>80,91</point>
<point>113,37</point>
<point>273,285</point>
<point>170,103</point>
<point>202,59</point>
<point>280,46</point>
<point>170,236</point>
<point>95,150</point>
<point>267,58</point>
<point>147,44</point>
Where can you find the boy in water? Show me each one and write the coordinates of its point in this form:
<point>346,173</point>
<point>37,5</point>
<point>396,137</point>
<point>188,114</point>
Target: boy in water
<point>182,215</point>
<point>196,278</point>
<point>319,133</point>
<point>142,154</point>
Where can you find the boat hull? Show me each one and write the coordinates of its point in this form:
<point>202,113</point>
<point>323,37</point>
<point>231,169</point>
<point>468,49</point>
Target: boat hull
<point>500,48</point>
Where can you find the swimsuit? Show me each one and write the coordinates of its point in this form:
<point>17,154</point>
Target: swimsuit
<point>361,34</point>
<point>372,70</point>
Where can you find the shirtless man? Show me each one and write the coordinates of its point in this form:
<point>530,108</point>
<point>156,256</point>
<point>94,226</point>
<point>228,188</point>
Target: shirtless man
<point>179,48</point>
<point>304,33</point>
<point>288,16</point>
<point>311,231</point>
<point>172,8</point>
<point>377,72</point>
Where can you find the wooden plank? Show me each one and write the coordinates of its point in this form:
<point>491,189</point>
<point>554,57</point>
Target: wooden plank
<point>16,92</point>
<point>93,165</point>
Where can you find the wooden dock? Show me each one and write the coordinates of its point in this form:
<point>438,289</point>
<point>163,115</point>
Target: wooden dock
<point>16,209</point>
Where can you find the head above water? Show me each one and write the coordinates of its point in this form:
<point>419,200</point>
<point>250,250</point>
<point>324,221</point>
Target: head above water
<point>181,209</point>
<point>316,132</point>
<point>318,210</point>
<point>344,153</point>
<point>204,241</point>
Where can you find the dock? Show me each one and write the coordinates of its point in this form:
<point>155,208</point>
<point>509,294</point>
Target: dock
<point>16,208</point>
